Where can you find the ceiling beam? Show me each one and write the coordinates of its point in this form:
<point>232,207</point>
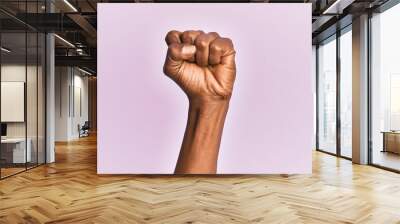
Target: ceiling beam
<point>86,27</point>
<point>83,61</point>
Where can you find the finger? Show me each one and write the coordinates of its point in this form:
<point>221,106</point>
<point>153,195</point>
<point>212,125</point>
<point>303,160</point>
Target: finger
<point>215,54</point>
<point>173,37</point>
<point>222,52</point>
<point>176,55</point>
<point>202,44</point>
<point>181,52</point>
<point>189,36</point>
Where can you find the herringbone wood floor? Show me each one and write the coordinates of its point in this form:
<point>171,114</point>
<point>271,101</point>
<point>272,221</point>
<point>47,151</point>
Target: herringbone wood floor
<point>69,191</point>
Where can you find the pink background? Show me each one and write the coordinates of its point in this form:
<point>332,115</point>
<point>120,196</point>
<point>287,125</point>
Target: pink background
<point>142,113</point>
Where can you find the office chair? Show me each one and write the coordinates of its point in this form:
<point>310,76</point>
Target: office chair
<point>84,130</point>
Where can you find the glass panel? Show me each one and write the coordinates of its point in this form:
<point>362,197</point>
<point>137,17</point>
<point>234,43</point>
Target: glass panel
<point>13,89</point>
<point>32,88</point>
<point>327,96</point>
<point>22,89</point>
<point>346,93</point>
<point>41,98</point>
<point>32,96</point>
<point>385,83</point>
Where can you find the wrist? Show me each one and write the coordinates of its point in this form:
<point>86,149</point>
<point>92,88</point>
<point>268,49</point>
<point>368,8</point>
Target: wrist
<point>205,103</point>
<point>208,110</point>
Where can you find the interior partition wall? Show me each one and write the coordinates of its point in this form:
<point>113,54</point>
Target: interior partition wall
<point>334,93</point>
<point>23,87</point>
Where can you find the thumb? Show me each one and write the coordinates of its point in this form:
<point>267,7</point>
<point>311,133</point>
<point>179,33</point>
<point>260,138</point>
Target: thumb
<point>176,55</point>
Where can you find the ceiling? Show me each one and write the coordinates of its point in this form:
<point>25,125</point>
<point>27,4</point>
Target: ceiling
<point>76,21</point>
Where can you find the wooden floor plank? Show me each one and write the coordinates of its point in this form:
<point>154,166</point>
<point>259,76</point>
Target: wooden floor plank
<point>70,191</point>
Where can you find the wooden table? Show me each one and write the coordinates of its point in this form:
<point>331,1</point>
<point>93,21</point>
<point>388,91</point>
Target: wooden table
<point>391,141</point>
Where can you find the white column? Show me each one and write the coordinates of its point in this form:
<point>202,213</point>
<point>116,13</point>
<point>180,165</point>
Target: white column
<point>62,103</point>
<point>50,94</point>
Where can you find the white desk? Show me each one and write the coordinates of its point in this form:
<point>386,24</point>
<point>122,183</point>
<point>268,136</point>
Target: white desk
<point>18,149</point>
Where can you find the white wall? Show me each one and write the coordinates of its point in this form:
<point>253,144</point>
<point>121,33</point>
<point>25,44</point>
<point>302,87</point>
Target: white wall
<point>71,102</point>
<point>16,72</point>
<point>80,105</point>
<point>34,126</point>
<point>62,82</point>
<point>10,73</point>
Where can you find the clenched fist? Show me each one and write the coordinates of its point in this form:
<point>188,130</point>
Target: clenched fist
<point>202,64</point>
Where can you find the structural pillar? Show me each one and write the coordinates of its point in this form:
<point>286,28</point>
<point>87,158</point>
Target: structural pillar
<point>360,90</point>
<point>50,92</point>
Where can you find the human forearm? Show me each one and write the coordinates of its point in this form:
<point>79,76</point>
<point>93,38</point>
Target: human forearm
<point>200,146</point>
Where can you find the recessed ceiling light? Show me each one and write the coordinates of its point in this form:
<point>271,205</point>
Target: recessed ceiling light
<point>65,41</point>
<point>84,71</point>
<point>70,5</point>
<point>337,7</point>
<point>5,50</point>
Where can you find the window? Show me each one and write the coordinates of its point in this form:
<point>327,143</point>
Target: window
<point>327,96</point>
<point>385,89</point>
<point>346,92</point>
<point>334,106</point>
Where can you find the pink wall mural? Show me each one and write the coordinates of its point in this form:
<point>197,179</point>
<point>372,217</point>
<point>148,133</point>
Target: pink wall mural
<point>142,113</point>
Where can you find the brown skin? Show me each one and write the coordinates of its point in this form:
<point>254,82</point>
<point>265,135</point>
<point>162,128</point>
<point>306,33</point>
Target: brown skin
<point>203,65</point>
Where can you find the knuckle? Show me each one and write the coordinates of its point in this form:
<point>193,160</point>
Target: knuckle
<point>224,44</point>
<point>215,47</point>
<point>174,50</point>
<point>172,32</point>
<point>173,46</point>
<point>201,42</point>
<point>227,41</point>
<point>213,34</point>
<point>187,34</point>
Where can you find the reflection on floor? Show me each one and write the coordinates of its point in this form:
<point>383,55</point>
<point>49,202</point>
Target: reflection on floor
<point>346,152</point>
<point>70,191</point>
<point>11,169</point>
<point>386,159</point>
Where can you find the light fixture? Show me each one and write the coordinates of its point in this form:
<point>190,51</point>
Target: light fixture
<point>84,71</point>
<point>5,50</point>
<point>337,7</point>
<point>70,5</point>
<point>65,41</point>
<point>80,51</point>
